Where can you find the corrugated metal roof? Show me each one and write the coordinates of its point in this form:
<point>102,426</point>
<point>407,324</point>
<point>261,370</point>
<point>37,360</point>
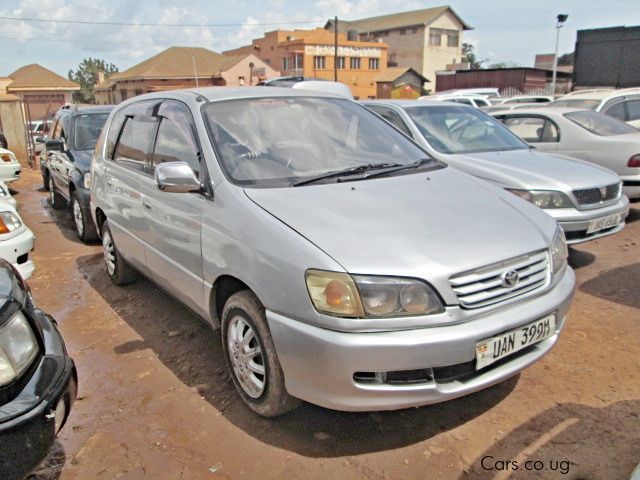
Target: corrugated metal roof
<point>393,73</point>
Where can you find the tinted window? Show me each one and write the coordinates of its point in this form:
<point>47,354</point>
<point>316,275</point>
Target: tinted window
<point>532,129</point>
<point>135,139</point>
<point>458,129</point>
<point>275,141</point>
<point>600,124</point>
<point>633,109</point>
<point>617,111</point>
<point>392,117</point>
<point>87,130</point>
<point>114,131</point>
<point>176,141</point>
<point>58,132</point>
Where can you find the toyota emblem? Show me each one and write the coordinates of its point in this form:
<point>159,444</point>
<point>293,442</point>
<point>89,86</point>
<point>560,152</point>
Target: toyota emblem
<point>510,279</point>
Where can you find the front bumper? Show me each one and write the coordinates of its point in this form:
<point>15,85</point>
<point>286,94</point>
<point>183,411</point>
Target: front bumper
<point>319,364</point>
<point>15,249</point>
<point>31,419</point>
<point>631,186</point>
<point>576,222</point>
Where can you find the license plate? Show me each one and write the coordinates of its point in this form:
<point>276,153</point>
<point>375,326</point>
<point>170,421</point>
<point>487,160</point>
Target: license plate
<point>604,222</point>
<point>496,348</point>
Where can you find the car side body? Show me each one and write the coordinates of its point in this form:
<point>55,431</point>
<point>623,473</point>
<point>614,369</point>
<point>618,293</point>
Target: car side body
<point>616,150</point>
<point>10,168</point>
<point>527,170</point>
<point>16,240</point>
<point>245,255</point>
<point>623,104</point>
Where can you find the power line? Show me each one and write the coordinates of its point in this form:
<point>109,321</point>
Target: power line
<point>172,25</point>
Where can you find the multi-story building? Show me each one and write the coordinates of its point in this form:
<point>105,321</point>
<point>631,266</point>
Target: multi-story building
<point>311,53</point>
<point>426,40</point>
<point>183,67</point>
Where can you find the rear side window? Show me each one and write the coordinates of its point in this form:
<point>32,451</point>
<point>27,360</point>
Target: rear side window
<point>176,140</point>
<point>135,139</point>
<point>532,129</point>
<point>114,131</point>
<point>633,110</point>
<point>600,124</point>
<point>617,111</point>
<point>392,117</point>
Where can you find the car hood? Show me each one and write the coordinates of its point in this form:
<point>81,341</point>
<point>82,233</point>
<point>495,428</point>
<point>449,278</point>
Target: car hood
<point>82,159</point>
<point>530,169</point>
<point>423,224</point>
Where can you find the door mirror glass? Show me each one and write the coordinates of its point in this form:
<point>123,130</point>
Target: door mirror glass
<point>55,145</point>
<point>176,177</point>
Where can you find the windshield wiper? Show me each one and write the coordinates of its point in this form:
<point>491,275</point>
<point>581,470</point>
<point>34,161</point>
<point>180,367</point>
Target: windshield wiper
<point>346,172</point>
<point>398,168</point>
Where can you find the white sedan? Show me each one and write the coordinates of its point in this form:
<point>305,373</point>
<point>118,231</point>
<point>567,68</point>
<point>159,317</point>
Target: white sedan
<point>9,166</point>
<point>583,134</point>
<point>16,240</point>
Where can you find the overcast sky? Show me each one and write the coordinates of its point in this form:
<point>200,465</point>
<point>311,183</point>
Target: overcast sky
<point>503,30</point>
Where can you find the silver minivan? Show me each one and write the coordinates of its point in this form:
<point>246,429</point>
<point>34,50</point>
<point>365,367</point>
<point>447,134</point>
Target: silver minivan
<point>344,265</point>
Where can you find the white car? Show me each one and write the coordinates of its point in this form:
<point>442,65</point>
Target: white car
<point>5,195</point>
<point>486,92</point>
<point>9,166</point>
<point>623,104</point>
<point>478,101</point>
<point>583,134</point>
<point>522,99</point>
<point>16,240</point>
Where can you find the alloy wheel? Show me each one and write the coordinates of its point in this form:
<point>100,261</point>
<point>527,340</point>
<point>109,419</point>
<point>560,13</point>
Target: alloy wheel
<point>77,217</point>
<point>51,191</point>
<point>109,252</point>
<point>247,360</point>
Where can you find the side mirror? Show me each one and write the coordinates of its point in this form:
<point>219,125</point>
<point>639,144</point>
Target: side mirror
<point>55,145</point>
<point>40,140</point>
<point>176,177</point>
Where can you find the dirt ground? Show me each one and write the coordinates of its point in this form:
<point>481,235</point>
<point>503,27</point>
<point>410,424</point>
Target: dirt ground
<point>155,400</point>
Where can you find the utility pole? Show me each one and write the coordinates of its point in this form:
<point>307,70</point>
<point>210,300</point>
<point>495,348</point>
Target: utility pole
<point>335,49</point>
<point>561,19</point>
<point>195,72</point>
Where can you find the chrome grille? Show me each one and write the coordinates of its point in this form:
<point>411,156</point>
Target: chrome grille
<point>593,196</point>
<point>485,286</point>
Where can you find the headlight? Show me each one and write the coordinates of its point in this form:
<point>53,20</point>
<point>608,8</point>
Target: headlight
<point>370,296</point>
<point>543,198</point>
<point>7,157</point>
<point>9,222</point>
<point>18,348</point>
<point>559,251</point>
<point>87,180</point>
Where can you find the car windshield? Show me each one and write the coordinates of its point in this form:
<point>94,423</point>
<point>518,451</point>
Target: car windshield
<point>280,141</point>
<point>87,130</point>
<point>599,123</point>
<point>458,129</point>
<point>575,103</point>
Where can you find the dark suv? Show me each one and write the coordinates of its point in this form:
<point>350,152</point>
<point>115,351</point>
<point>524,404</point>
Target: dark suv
<point>66,163</point>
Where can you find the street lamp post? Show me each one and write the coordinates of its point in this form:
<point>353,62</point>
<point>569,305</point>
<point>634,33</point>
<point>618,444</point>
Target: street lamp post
<point>561,19</point>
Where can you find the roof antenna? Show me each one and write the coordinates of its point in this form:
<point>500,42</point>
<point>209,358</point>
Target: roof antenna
<point>195,72</point>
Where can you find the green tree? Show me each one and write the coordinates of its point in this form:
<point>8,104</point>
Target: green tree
<point>87,76</point>
<point>468,51</point>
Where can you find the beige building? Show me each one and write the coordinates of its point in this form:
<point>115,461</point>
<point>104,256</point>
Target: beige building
<point>183,67</point>
<point>41,91</point>
<point>426,40</point>
<point>311,53</point>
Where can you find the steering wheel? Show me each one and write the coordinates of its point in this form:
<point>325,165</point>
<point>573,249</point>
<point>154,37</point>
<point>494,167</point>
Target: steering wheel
<point>299,147</point>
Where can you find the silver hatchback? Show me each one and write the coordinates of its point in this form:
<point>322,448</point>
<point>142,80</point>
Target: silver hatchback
<point>344,265</point>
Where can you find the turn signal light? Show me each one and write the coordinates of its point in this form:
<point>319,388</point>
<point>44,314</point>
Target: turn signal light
<point>634,162</point>
<point>3,227</point>
<point>6,157</point>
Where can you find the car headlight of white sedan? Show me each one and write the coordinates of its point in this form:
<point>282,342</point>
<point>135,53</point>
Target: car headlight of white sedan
<point>18,348</point>
<point>9,222</point>
<point>544,198</point>
<point>559,251</point>
<point>368,296</point>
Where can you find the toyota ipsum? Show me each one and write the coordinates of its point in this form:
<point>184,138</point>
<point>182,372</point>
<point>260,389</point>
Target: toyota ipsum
<point>344,265</point>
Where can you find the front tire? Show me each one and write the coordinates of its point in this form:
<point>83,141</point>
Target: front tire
<point>251,356</point>
<point>119,271</point>
<point>57,201</point>
<point>85,228</point>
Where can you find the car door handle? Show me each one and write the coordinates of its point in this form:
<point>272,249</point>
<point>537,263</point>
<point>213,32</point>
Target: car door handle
<point>146,204</point>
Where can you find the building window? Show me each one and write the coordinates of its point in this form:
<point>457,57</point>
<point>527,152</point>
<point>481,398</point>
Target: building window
<point>298,58</point>
<point>384,33</point>
<point>138,92</point>
<point>286,63</point>
<point>452,39</point>
<point>403,31</point>
<point>340,63</point>
<point>319,63</point>
<point>123,95</point>
<point>354,63</point>
<point>374,64</point>
<point>435,38</point>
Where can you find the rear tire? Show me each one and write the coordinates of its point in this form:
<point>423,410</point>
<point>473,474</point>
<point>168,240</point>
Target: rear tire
<point>85,228</point>
<point>57,201</point>
<point>251,356</point>
<point>119,271</point>
<point>45,181</point>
